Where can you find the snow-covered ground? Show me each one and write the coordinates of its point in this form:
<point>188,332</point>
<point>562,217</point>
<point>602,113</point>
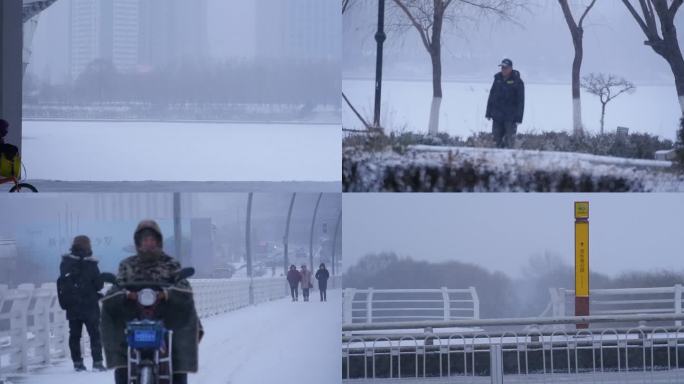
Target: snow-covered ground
<point>183,186</point>
<point>548,107</point>
<point>427,168</point>
<point>276,342</point>
<point>197,152</point>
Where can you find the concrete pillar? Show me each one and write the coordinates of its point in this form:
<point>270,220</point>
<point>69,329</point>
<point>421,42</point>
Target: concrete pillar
<point>11,44</point>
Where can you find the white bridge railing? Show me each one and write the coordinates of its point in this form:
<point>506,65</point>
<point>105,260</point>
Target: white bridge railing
<point>623,301</point>
<point>34,330</point>
<point>388,305</point>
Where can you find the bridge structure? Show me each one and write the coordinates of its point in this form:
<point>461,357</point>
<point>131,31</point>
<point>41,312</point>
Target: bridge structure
<point>248,323</point>
<point>634,335</point>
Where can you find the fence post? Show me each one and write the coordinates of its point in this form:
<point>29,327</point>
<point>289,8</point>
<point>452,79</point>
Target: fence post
<point>476,303</point>
<point>348,297</point>
<point>678,303</point>
<point>562,298</point>
<point>496,363</point>
<point>447,304</point>
<point>369,306</point>
<point>20,308</point>
<point>43,317</point>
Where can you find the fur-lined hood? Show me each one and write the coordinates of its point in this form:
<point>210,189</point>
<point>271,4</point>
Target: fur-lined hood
<point>74,257</point>
<point>150,225</point>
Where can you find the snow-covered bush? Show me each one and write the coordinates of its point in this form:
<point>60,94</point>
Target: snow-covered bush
<point>635,145</point>
<point>462,169</point>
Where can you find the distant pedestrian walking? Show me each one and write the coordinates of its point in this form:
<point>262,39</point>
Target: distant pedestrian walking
<point>307,283</point>
<point>78,289</point>
<point>293,278</point>
<point>506,104</point>
<point>322,275</point>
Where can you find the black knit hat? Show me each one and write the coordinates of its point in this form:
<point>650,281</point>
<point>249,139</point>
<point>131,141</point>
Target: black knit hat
<point>81,246</point>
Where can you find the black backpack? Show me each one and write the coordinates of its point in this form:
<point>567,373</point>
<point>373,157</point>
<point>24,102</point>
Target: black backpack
<point>68,286</point>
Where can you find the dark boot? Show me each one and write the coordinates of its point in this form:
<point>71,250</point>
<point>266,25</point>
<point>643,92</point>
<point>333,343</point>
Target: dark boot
<point>79,367</point>
<point>98,366</point>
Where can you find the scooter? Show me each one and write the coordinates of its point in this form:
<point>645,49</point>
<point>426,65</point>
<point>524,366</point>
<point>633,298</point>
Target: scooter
<point>150,344</point>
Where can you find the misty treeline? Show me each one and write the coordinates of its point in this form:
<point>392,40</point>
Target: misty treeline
<point>500,295</point>
<point>259,82</point>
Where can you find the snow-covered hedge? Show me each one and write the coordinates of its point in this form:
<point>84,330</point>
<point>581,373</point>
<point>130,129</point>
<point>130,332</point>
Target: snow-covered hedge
<point>454,169</point>
<point>634,145</point>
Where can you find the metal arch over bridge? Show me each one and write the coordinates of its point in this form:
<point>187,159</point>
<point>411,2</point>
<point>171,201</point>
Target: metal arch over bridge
<point>32,8</point>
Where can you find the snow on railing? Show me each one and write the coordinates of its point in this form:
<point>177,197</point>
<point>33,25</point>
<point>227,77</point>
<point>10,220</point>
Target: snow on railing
<point>34,329</point>
<point>386,305</point>
<point>621,301</point>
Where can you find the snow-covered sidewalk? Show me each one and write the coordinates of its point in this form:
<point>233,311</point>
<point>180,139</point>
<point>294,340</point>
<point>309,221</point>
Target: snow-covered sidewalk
<point>276,342</point>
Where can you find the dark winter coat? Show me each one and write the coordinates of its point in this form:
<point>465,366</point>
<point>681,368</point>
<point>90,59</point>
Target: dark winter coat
<point>322,275</point>
<point>178,310</point>
<point>506,98</point>
<point>9,150</point>
<point>293,277</point>
<point>83,302</point>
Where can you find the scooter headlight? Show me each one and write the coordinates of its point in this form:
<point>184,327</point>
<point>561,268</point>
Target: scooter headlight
<point>147,297</point>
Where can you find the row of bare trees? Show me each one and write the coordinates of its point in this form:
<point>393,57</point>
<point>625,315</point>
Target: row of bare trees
<point>429,18</point>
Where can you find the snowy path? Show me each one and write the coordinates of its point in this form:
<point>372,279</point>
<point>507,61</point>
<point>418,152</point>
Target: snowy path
<point>277,342</point>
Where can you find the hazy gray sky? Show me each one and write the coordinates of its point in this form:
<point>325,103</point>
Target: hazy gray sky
<point>502,231</point>
<point>539,44</point>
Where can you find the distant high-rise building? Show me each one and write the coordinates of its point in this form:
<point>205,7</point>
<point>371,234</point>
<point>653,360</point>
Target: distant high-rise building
<point>300,30</point>
<point>104,29</point>
<point>136,34</point>
<point>173,32</point>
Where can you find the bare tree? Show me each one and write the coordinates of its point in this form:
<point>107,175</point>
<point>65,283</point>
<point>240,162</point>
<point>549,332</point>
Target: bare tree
<point>663,42</point>
<point>606,88</point>
<point>577,33</point>
<point>346,4</point>
<point>427,17</point>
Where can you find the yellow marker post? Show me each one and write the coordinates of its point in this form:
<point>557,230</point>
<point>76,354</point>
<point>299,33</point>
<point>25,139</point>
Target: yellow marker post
<point>582,260</point>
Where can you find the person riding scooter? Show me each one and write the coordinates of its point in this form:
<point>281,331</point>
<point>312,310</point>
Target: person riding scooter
<point>176,307</point>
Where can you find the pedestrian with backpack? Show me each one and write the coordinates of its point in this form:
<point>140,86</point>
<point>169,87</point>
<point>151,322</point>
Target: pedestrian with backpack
<point>78,289</point>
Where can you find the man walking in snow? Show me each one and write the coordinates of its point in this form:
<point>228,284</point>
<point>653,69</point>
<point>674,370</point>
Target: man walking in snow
<point>293,278</point>
<point>78,289</point>
<point>506,104</point>
<point>322,275</point>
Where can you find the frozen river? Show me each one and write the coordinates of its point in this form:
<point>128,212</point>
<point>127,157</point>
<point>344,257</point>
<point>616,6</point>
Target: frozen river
<point>194,152</point>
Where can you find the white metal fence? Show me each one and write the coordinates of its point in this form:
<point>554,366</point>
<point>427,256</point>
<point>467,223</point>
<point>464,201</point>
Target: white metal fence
<point>387,305</point>
<point>641,354</point>
<point>623,301</point>
<point>34,330</point>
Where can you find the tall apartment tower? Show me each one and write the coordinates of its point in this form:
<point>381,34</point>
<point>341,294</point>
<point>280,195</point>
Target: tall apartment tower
<point>301,30</point>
